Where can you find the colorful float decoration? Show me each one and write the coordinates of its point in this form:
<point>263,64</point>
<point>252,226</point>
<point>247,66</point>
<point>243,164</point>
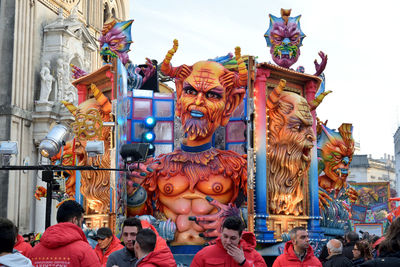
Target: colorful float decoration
<point>187,190</point>
<point>335,153</point>
<point>198,184</point>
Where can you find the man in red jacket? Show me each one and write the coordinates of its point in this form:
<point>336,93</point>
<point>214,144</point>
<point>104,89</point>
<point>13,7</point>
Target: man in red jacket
<point>145,251</point>
<point>22,246</point>
<point>65,244</point>
<point>233,248</point>
<point>298,251</point>
<point>107,243</point>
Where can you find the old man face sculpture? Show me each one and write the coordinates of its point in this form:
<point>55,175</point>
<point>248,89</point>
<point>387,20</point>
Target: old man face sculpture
<point>289,150</point>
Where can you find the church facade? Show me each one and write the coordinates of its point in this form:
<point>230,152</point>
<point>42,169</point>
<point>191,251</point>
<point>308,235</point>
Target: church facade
<point>39,41</point>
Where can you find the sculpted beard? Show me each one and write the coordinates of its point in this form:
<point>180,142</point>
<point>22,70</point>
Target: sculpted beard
<point>287,169</point>
<point>195,127</point>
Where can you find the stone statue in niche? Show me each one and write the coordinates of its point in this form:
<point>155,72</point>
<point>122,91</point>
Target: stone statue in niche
<point>60,79</point>
<point>46,82</point>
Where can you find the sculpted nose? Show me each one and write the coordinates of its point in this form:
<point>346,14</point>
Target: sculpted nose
<point>286,41</point>
<point>310,137</point>
<point>199,99</point>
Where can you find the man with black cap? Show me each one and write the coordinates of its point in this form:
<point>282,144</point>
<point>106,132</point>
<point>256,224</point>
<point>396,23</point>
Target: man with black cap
<point>107,243</point>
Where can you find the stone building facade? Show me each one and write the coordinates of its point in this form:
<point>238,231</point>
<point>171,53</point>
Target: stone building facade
<point>39,40</point>
<point>364,169</point>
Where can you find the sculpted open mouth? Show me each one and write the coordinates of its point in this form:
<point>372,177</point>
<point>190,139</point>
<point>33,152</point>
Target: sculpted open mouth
<point>107,55</point>
<point>342,173</point>
<point>196,114</point>
<point>285,55</point>
<point>307,153</point>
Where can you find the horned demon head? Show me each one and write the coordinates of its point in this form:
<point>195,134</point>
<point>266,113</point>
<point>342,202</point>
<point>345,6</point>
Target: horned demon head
<point>207,93</point>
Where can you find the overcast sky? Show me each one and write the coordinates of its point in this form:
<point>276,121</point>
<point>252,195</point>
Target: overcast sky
<point>361,39</point>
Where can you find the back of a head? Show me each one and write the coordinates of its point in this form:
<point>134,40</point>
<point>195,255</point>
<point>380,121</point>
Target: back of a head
<point>8,234</point>
<point>335,246</point>
<point>68,210</point>
<point>392,238</point>
<point>146,239</point>
<point>233,223</point>
<point>132,221</point>
<point>352,237</point>
<point>293,232</point>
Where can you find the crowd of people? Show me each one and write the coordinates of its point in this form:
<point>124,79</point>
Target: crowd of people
<point>65,244</point>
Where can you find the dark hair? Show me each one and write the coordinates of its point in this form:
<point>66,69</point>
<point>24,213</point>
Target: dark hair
<point>25,235</point>
<point>146,239</point>
<point>352,237</point>
<point>392,239</point>
<point>68,210</point>
<point>132,221</point>
<point>293,232</point>
<point>373,239</point>
<point>8,233</point>
<point>364,248</point>
<point>234,223</point>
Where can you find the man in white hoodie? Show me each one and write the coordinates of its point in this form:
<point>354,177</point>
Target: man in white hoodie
<point>8,257</point>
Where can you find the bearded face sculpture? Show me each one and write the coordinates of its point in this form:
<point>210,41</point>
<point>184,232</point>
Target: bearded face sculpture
<point>285,38</point>
<point>88,125</point>
<point>207,94</point>
<point>335,153</point>
<point>290,140</point>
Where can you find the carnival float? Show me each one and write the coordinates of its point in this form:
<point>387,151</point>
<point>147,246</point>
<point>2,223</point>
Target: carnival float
<point>236,137</point>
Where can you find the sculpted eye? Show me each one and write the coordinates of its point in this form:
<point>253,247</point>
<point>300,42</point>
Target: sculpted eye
<point>190,91</point>
<point>297,127</point>
<point>213,95</point>
<point>168,188</point>
<point>294,37</point>
<point>277,37</point>
<point>217,187</point>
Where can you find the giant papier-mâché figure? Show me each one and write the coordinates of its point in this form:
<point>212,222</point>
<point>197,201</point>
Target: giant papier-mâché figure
<point>290,140</point>
<point>335,153</point>
<point>197,185</point>
<point>88,125</point>
<point>115,41</point>
<point>285,38</point>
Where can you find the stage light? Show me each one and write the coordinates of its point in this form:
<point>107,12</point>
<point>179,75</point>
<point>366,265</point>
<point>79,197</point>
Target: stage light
<point>150,122</point>
<point>149,137</point>
<point>94,148</point>
<point>54,140</point>
<point>136,152</point>
<point>7,149</point>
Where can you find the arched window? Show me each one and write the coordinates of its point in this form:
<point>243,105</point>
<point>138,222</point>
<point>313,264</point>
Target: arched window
<point>113,13</point>
<point>106,13</point>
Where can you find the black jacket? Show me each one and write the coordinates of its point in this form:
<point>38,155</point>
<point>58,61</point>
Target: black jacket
<point>384,260</point>
<point>121,258</point>
<point>338,261</point>
<point>358,261</point>
<point>348,250</point>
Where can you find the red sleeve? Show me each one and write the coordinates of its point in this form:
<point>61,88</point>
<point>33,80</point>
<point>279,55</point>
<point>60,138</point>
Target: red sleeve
<point>197,261</point>
<point>90,259</point>
<point>256,258</point>
<point>277,262</point>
